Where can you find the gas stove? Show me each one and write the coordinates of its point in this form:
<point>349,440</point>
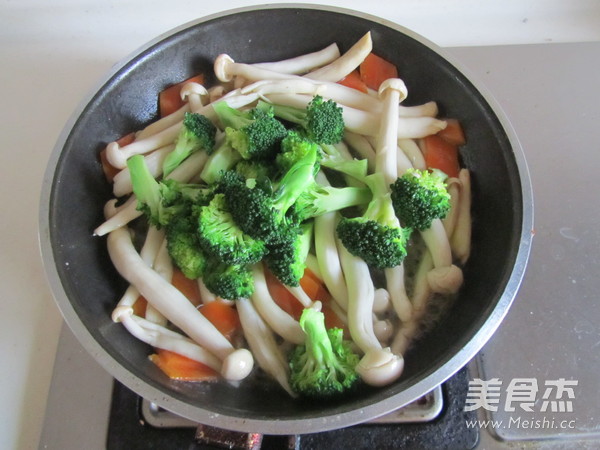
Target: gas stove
<point>535,384</point>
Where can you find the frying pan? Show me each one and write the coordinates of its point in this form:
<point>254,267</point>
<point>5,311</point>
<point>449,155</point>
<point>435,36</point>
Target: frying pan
<point>86,286</point>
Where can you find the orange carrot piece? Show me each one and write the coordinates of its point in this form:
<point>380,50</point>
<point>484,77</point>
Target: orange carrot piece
<point>374,70</point>
<point>354,81</point>
<point>109,170</point>
<point>169,100</point>
<point>188,287</point>
<point>284,298</point>
<point>139,307</point>
<point>313,287</point>
<point>178,367</point>
<point>441,155</point>
<point>223,316</point>
<point>453,133</point>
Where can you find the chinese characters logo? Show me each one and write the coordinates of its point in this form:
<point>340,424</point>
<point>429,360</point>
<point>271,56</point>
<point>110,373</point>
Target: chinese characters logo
<point>523,393</point>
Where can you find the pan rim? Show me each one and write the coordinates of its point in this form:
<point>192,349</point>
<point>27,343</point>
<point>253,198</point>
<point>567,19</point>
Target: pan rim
<point>301,425</point>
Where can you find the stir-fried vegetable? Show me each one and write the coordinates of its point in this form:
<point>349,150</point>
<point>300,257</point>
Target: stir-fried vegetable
<point>301,165</point>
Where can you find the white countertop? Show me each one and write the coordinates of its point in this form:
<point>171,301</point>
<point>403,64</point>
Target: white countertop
<point>53,53</point>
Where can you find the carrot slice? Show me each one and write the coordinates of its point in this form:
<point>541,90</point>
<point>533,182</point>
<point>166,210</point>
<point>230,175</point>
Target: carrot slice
<point>374,70</point>
<point>441,155</point>
<point>313,287</point>
<point>109,170</point>
<point>188,287</point>
<point>223,316</point>
<point>139,307</point>
<point>179,367</point>
<point>284,298</point>
<point>354,81</point>
<point>453,133</point>
<point>169,100</point>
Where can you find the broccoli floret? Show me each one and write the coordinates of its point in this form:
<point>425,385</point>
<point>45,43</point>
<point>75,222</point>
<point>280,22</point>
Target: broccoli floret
<point>255,134</point>
<point>419,197</point>
<point>159,201</point>
<point>253,169</point>
<point>376,236</point>
<point>229,281</point>
<point>183,245</point>
<point>197,133</point>
<point>293,147</point>
<point>325,366</point>
<point>221,237</point>
<point>322,120</point>
<point>318,200</point>
<point>261,211</point>
<point>286,259</point>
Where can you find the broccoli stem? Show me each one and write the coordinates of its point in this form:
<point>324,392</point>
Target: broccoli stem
<point>324,199</point>
<point>145,186</point>
<point>380,209</point>
<point>294,182</point>
<point>317,340</point>
<point>221,160</point>
<point>230,117</point>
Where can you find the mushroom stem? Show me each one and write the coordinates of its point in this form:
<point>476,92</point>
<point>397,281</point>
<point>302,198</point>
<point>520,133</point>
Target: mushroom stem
<point>163,296</point>
<point>263,345</point>
<point>279,321</point>
<point>303,63</point>
<point>346,63</point>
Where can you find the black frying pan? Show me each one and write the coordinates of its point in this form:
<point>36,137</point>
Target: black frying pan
<point>86,286</point>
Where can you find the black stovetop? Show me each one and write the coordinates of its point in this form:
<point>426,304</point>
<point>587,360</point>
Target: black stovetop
<point>128,431</point>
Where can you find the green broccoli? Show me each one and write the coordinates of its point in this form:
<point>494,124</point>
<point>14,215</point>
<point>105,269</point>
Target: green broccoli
<point>293,147</point>
<point>333,159</point>
<point>224,158</point>
<point>254,169</point>
<point>322,120</point>
<point>325,366</point>
<point>261,210</point>
<point>317,200</point>
<point>183,245</point>
<point>229,281</point>
<point>419,197</point>
<point>197,133</point>
<point>286,258</point>
<point>255,134</point>
<point>222,238</point>
<point>376,236</point>
<point>161,201</point>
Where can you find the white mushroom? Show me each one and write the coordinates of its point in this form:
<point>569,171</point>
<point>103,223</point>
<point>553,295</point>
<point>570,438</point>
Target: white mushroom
<point>365,122</point>
<point>461,238</point>
<point>381,300</point>
<point>194,94</point>
<point>261,341</point>
<point>453,186</point>
<point>346,63</point>
<point>279,321</point>
<point>161,337</point>
<point>414,154</point>
<point>165,297</point>
<point>303,63</point>
<point>154,161</point>
<point>380,367</point>
<point>445,280</point>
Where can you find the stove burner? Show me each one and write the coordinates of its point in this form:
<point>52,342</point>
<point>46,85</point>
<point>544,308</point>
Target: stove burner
<point>435,421</point>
